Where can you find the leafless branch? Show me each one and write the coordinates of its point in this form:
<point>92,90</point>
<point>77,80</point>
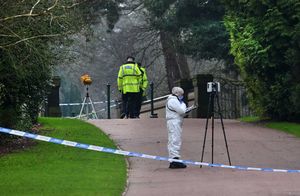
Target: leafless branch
<point>34,6</point>
<point>4,35</point>
<point>30,38</point>
<point>30,14</point>
<point>53,6</point>
<point>74,4</point>
<point>133,8</point>
<point>18,16</point>
<point>11,31</point>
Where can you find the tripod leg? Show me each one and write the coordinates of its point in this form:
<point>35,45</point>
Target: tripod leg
<point>83,103</point>
<point>94,114</point>
<point>206,126</point>
<point>221,117</point>
<point>87,109</point>
<point>212,129</point>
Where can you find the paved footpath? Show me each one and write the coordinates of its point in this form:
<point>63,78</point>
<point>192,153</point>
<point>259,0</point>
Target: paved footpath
<point>249,145</point>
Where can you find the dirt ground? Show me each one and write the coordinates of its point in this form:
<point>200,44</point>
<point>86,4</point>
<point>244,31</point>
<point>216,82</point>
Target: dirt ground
<point>249,145</point>
<point>15,144</point>
<point>10,143</point>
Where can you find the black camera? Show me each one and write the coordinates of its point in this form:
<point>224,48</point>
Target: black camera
<point>213,87</point>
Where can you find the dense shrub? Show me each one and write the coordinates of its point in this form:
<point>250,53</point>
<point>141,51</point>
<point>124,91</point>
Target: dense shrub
<point>265,41</point>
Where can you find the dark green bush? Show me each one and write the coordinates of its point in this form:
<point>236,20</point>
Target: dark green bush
<point>265,43</point>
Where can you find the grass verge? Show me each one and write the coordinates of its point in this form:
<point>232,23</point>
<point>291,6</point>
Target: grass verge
<point>52,169</point>
<point>291,128</point>
<point>288,127</point>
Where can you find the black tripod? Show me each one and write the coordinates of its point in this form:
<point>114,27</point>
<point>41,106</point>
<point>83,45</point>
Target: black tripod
<point>210,113</point>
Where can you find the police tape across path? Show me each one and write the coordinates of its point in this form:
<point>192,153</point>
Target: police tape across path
<point>133,154</point>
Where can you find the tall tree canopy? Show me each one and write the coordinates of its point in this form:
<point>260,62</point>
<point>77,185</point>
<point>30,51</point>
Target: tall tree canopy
<point>30,35</point>
<point>265,41</point>
<point>200,25</point>
<point>191,27</point>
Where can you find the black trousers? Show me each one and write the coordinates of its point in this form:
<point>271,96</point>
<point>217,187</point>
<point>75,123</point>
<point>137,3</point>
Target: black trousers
<point>131,104</point>
<point>125,105</point>
<point>141,99</point>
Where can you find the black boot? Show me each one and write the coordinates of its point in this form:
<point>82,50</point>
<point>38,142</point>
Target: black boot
<point>177,165</point>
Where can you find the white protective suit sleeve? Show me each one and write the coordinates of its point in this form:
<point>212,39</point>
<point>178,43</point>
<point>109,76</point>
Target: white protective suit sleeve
<point>175,105</point>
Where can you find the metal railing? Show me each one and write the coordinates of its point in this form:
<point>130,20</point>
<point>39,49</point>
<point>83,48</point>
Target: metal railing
<point>233,99</point>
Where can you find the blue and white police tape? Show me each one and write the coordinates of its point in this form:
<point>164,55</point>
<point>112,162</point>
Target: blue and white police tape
<point>76,104</point>
<point>133,154</point>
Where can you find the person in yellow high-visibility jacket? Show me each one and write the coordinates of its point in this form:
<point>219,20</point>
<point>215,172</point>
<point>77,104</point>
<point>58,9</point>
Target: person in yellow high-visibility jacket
<point>143,86</point>
<point>129,79</point>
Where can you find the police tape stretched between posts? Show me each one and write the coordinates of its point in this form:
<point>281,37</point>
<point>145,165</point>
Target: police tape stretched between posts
<point>134,154</point>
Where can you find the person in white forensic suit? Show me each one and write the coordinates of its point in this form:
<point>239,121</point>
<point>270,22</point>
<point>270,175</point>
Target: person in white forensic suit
<point>176,109</point>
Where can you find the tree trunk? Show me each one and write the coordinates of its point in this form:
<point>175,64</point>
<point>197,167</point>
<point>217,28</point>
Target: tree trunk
<point>176,63</point>
<point>183,66</point>
<point>173,73</point>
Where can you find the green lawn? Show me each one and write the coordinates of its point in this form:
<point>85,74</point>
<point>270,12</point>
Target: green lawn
<point>292,128</point>
<point>288,127</point>
<point>250,119</point>
<point>52,169</point>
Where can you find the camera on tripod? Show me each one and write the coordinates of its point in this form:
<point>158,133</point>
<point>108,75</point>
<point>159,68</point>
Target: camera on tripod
<point>213,87</point>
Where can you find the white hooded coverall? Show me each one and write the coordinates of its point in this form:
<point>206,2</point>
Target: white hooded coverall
<point>175,111</point>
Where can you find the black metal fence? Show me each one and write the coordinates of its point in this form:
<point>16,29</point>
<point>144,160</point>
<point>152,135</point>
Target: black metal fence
<point>233,102</point>
<point>233,99</point>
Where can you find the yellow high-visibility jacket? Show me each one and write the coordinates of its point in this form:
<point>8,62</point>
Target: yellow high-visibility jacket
<point>144,80</point>
<point>129,78</point>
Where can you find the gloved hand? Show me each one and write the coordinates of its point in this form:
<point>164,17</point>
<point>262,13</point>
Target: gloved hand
<point>191,108</point>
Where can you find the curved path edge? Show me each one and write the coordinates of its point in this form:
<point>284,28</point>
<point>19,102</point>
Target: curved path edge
<point>249,145</point>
